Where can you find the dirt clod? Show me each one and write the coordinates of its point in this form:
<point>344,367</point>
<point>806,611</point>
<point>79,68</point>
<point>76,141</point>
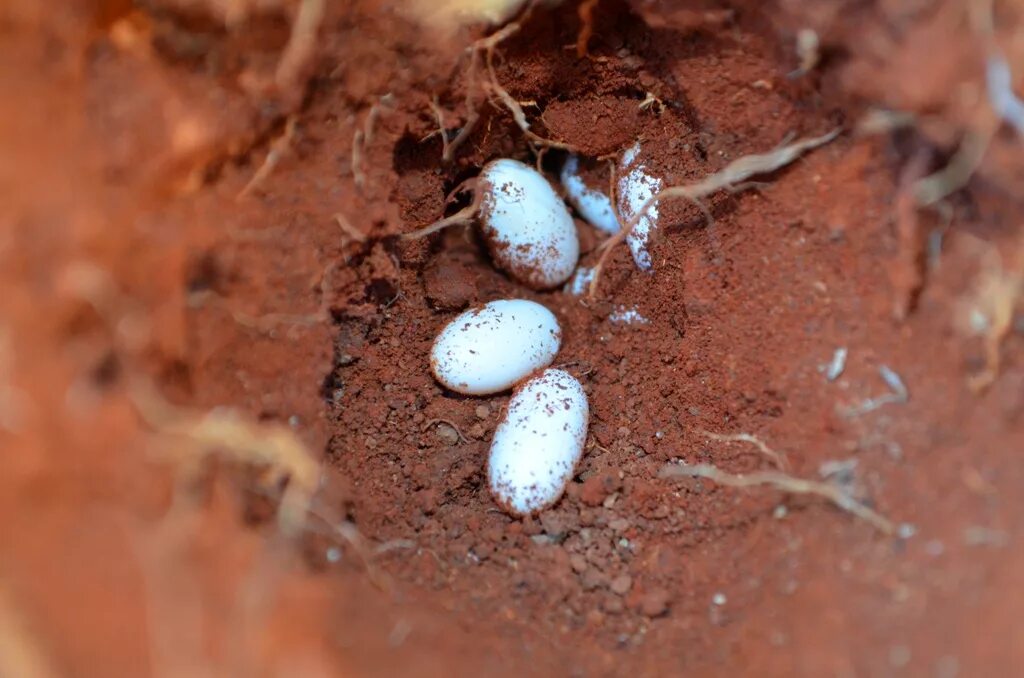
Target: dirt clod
<point>654,603</point>
<point>621,585</point>
<point>598,487</point>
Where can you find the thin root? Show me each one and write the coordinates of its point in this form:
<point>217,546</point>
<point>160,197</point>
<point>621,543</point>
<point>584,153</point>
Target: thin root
<point>486,47</point>
<point>898,393</point>
<point>784,482</point>
<point>776,458</point>
<point>736,172</point>
<point>364,136</point>
<point>517,110</point>
<point>439,118</point>
<point>230,433</point>
<point>961,167</point>
<point>463,216</point>
<point>261,444</point>
<point>299,51</point>
<point>458,432</point>
<point>277,151</point>
<point>908,271</point>
<point>650,100</point>
<point>348,229</point>
<point>808,49</point>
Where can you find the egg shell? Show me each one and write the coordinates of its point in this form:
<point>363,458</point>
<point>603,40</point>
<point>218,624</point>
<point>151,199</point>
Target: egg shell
<point>580,281</point>
<point>488,349</point>
<point>624,315</point>
<point>592,204</point>
<point>635,188</point>
<point>527,227</point>
<point>537,445</point>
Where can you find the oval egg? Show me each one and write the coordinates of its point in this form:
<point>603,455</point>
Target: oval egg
<point>537,445</point>
<point>635,188</point>
<point>592,204</point>
<point>488,349</point>
<point>528,228</point>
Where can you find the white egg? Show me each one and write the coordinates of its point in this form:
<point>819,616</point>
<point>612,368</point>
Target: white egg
<point>488,349</point>
<point>528,228</point>
<point>539,442</point>
<point>635,188</point>
<point>592,204</point>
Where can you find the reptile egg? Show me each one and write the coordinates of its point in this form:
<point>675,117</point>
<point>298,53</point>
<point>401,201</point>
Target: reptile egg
<point>488,349</point>
<point>635,188</point>
<point>593,205</point>
<point>539,442</point>
<point>528,229</point>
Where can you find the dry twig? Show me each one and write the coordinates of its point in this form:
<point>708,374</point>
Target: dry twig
<point>784,482</point>
<point>731,178</point>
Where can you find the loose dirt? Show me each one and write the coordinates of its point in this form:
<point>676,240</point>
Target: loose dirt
<point>129,258</point>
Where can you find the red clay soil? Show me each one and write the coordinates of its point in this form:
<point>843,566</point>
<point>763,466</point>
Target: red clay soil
<point>138,251</point>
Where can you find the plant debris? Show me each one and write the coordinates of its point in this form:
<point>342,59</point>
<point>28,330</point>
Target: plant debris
<point>783,482</point>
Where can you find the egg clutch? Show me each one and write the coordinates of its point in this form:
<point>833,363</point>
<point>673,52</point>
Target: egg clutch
<point>510,343</point>
<point>540,439</point>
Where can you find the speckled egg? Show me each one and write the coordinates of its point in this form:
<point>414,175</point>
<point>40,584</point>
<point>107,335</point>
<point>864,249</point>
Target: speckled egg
<point>490,348</point>
<point>527,227</point>
<point>537,445</point>
<point>635,187</point>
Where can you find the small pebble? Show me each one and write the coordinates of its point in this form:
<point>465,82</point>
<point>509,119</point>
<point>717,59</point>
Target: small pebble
<point>654,603</point>
<point>619,524</point>
<point>448,435</point>
<point>612,605</point>
<point>593,579</point>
